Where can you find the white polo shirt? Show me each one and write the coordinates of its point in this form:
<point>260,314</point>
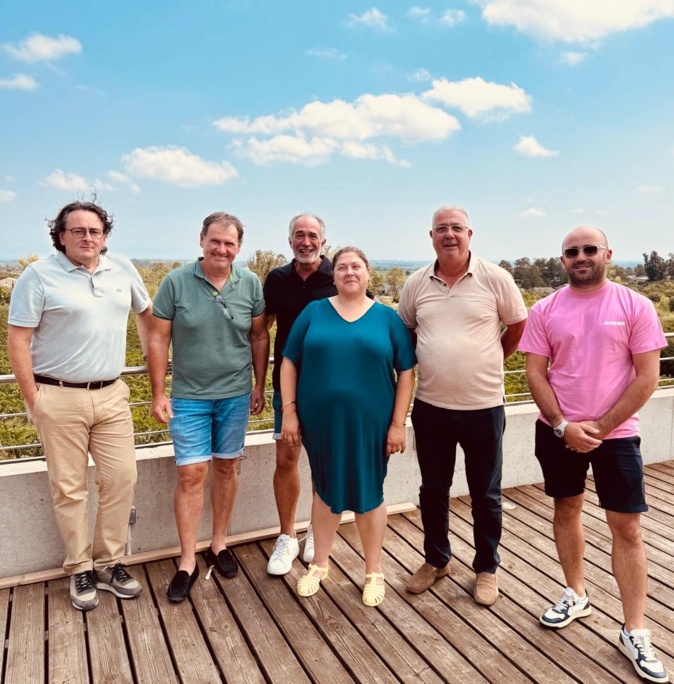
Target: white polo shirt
<point>80,318</point>
<point>459,352</point>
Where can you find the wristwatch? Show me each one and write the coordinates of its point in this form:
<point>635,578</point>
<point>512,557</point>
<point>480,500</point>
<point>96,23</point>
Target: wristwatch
<point>559,429</point>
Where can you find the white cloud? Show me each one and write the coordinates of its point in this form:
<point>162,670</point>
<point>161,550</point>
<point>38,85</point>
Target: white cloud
<point>6,196</point>
<point>422,14</point>
<point>579,211</point>
<point>421,75</point>
<point>572,58</point>
<point>311,151</point>
<point>448,18</point>
<point>18,82</point>
<point>452,17</point>
<point>481,99</point>
<point>370,116</point>
<point>122,179</point>
<point>64,180</point>
<point>371,18</point>
<point>530,147</point>
<point>575,22</point>
<point>39,48</point>
<point>178,166</point>
<point>325,53</point>
<point>650,190</point>
<point>532,213</point>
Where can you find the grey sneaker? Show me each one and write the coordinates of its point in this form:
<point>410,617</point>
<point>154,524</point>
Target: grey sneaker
<point>116,579</point>
<point>636,645</point>
<point>308,555</point>
<point>83,591</point>
<point>286,549</point>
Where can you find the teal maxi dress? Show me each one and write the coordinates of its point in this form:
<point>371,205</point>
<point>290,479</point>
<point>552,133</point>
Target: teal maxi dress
<point>345,396</point>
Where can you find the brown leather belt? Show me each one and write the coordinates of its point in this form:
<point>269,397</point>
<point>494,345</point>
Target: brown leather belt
<point>96,384</point>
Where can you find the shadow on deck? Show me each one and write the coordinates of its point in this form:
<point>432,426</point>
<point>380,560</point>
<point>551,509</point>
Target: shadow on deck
<point>254,628</point>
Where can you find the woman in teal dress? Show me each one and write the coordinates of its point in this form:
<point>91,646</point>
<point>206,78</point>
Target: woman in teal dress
<point>346,384</point>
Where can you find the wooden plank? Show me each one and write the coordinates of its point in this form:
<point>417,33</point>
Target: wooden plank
<point>503,649</point>
<point>523,622</point>
<point>26,647</point>
<point>226,641</point>
<point>4,612</point>
<point>107,650</point>
<point>185,640</point>
<point>304,638</point>
<point>412,649</point>
<point>607,608</point>
<point>66,639</point>
<point>276,658</point>
<point>149,653</point>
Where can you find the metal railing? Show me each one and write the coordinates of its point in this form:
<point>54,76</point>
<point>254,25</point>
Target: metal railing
<point>146,438</point>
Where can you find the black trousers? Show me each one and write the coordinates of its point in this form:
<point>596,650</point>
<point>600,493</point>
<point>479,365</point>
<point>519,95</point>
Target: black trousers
<point>480,434</point>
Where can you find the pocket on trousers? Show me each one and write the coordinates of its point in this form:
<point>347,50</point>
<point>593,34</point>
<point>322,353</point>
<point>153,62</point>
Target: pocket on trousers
<point>31,412</point>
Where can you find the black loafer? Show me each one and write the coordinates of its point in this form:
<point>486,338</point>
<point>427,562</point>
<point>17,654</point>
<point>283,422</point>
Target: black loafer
<point>181,584</point>
<point>224,562</point>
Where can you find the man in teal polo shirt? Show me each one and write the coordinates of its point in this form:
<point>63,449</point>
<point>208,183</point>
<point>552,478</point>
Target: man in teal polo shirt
<point>212,312</point>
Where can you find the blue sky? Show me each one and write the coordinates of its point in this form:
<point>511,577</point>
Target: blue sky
<point>535,115</point>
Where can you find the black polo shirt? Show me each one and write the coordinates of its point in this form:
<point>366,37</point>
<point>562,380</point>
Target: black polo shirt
<point>286,294</point>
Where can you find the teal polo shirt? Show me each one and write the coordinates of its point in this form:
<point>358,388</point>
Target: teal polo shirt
<point>211,350</point>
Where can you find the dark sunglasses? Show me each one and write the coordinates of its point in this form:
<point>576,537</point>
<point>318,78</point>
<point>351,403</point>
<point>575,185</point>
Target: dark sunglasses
<point>588,250</point>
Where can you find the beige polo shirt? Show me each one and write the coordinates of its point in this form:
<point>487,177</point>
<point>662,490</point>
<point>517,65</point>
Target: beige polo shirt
<point>459,352</point>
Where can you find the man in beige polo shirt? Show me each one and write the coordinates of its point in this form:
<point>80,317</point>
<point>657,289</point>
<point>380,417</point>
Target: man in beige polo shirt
<point>466,315</point>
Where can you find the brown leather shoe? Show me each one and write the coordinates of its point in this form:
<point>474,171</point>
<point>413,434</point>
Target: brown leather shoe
<point>486,589</point>
<point>425,577</point>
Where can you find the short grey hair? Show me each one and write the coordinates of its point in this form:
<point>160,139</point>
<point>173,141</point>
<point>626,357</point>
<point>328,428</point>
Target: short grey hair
<point>294,220</point>
<point>450,207</point>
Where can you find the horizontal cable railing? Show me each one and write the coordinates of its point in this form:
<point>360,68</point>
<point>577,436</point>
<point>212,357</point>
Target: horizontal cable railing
<point>261,424</point>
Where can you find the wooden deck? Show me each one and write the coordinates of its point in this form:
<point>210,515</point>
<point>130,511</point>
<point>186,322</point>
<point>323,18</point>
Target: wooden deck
<point>254,628</point>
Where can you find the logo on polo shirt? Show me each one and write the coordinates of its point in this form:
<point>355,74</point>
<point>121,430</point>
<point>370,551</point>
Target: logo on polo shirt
<point>622,323</point>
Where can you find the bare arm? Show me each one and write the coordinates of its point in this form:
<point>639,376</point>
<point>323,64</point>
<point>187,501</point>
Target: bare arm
<point>269,320</point>
<point>395,438</point>
<point>580,437</point>
<point>510,337</point>
<point>290,430</point>
<point>157,364</point>
<point>647,368</point>
<point>144,325</point>
<point>18,348</point>
<point>259,345</point>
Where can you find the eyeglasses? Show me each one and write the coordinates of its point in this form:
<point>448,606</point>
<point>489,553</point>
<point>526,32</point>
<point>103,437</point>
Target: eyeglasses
<point>81,232</point>
<point>588,250</point>
<point>218,298</point>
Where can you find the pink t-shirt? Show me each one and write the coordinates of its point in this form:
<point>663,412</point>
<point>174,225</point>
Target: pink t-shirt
<point>590,338</point>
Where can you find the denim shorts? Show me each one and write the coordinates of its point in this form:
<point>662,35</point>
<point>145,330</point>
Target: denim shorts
<point>278,415</point>
<point>616,465</point>
<point>202,429</point>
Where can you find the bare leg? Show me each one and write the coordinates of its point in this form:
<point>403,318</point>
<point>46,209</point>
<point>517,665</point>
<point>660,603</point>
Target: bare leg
<point>325,524</point>
<point>224,486</point>
<point>630,567</point>
<point>371,528</point>
<point>286,485</point>
<point>570,540</point>
<point>188,504</point>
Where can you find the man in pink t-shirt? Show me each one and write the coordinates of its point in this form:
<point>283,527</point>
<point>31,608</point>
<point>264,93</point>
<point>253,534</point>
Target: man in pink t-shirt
<point>593,360</point>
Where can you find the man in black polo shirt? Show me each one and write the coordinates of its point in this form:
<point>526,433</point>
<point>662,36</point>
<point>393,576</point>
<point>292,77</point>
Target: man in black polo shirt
<point>287,290</point>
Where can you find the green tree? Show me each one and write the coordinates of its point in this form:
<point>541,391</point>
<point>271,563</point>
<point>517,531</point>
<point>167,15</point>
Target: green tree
<point>24,263</point>
<point>264,261</point>
<point>395,279</point>
<point>655,266</point>
<point>506,266</point>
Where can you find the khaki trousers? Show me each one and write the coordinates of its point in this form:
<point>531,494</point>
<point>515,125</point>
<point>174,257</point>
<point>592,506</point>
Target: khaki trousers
<point>73,423</point>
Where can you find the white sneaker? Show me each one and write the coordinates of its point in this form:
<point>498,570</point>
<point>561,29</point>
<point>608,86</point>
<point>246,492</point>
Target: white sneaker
<point>285,551</point>
<point>308,555</point>
<point>569,607</point>
<point>636,645</point>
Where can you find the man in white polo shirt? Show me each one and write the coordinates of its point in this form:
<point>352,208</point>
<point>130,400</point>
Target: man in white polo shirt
<point>67,341</point>
<point>455,309</point>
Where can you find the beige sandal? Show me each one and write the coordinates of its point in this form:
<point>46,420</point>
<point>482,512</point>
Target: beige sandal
<point>373,592</point>
<point>309,584</point>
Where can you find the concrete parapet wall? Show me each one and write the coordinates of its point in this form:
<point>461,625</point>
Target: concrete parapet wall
<point>31,541</point>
